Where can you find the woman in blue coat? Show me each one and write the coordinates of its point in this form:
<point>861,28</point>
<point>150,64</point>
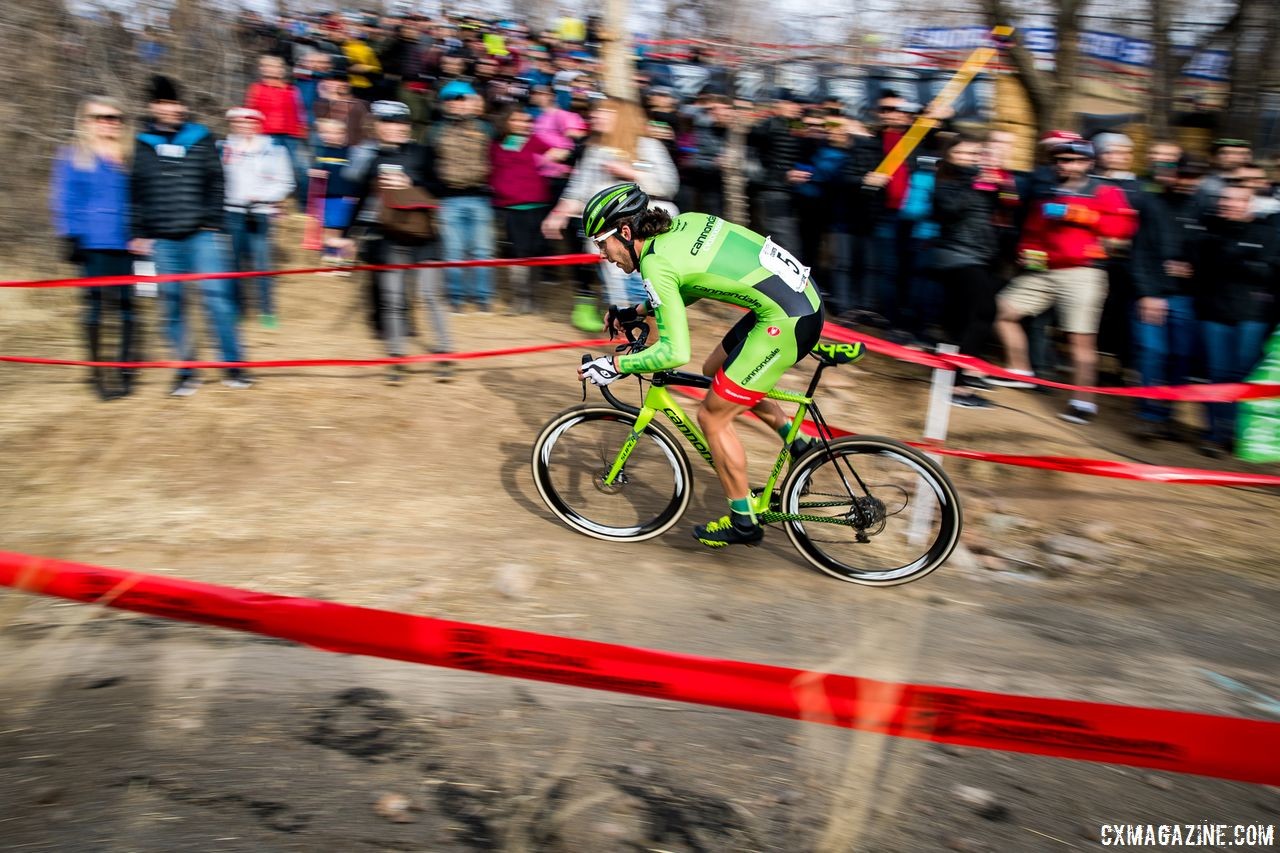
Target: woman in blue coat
<point>90,202</point>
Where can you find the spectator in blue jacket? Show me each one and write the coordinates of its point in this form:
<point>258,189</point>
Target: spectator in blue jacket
<point>90,202</point>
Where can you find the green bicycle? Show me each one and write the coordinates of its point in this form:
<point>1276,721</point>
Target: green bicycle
<point>863,509</point>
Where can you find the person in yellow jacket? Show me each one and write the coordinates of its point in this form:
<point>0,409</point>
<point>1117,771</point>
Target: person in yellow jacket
<point>363,66</point>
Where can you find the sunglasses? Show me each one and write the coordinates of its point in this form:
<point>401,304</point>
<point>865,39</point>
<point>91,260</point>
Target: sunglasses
<point>888,109</point>
<point>1070,159</point>
<point>600,239</point>
<point>106,116</point>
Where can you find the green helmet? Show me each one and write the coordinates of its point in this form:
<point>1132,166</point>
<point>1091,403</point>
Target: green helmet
<point>611,204</point>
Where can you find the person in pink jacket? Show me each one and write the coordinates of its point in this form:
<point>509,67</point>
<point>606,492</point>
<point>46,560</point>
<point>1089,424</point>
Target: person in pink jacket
<point>562,128</point>
<point>521,193</point>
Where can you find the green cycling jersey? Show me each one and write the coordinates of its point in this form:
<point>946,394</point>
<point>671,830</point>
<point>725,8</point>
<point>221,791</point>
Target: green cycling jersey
<point>706,257</point>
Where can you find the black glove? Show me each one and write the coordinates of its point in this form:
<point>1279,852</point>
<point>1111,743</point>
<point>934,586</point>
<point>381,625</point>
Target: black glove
<point>619,316</point>
<point>71,250</point>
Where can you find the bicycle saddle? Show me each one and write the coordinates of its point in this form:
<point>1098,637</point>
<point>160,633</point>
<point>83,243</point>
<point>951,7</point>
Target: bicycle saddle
<point>836,354</point>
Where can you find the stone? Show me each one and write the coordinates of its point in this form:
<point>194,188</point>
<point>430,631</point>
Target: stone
<point>1099,531</point>
<point>1020,556</point>
<point>514,581</point>
<point>984,803</point>
<point>1060,565</point>
<point>1073,546</point>
<point>395,808</point>
<point>1000,523</point>
<point>47,795</point>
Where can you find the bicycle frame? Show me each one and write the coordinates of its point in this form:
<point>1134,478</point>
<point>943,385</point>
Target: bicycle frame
<point>659,399</point>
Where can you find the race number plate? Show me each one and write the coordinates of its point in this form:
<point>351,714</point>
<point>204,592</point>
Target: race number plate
<point>784,265</point>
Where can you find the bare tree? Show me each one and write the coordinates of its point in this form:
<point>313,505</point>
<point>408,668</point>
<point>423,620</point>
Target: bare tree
<point>1254,44</point>
<point>1048,91</point>
<point>61,57</point>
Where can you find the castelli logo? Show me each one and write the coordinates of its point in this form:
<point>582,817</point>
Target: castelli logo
<point>774,331</point>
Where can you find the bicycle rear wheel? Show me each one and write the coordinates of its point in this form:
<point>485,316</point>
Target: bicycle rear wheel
<point>910,512</point>
<point>574,453</point>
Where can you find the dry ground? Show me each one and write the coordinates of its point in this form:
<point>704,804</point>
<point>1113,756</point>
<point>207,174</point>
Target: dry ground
<point>119,733</point>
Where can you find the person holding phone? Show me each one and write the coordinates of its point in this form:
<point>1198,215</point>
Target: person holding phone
<point>389,163</point>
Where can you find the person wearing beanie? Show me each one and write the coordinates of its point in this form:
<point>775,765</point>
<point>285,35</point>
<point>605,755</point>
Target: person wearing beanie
<point>177,197</point>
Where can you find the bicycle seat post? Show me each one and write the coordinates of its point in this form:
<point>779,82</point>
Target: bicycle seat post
<point>817,376</point>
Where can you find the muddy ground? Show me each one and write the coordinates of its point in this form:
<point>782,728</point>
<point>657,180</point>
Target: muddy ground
<point>124,733</point>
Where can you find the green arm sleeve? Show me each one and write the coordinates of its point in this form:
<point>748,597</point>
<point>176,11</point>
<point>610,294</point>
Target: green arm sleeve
<point>672,348</point>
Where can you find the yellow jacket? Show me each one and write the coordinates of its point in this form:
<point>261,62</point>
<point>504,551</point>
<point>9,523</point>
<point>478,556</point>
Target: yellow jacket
<point>359,53</point>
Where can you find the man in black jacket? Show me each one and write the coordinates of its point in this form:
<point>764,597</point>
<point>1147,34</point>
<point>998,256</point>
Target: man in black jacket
<point>779,144</point>
<point>1235,265</point>
<point>893,249</point>
<point>177,216</point>
<point>1164,321</point>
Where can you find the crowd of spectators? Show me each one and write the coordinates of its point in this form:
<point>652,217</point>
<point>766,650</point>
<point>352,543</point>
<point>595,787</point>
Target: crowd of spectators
<point>1170,270</point>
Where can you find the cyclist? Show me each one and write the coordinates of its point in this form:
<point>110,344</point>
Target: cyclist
<point>697,256</point>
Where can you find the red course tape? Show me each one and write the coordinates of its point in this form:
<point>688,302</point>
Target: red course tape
<point>1225,393</point>
<point>317,362</point>
<point>1185,742</point>
<point>116,280</point>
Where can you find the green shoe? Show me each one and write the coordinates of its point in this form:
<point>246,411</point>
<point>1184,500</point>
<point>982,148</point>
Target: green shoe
<point>269,321</point>
<point>586,318</point>
<point>722,532</point>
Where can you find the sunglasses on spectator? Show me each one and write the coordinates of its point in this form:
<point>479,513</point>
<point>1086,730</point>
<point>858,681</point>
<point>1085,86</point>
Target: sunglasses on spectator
<point>1070,159</point>
<point>106,116</point>
<point>890,109</point>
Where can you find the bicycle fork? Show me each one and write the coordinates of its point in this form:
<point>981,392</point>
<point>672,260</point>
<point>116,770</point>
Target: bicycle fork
<point>637,429</point>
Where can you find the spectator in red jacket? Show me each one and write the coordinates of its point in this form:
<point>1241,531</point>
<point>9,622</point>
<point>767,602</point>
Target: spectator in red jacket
<point>1061,254</point>
<point>284,118</point>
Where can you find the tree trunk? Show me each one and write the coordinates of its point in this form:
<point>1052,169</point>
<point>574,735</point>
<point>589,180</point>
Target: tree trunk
<point>1066,64</point>
<point>1162,72</point>
<point>1039,85</point>
<point>1254,45</point>
<point>735,180</point>
<point>616,53</point>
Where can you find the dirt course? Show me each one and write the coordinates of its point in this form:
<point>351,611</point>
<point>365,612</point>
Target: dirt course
<point>125,733</point>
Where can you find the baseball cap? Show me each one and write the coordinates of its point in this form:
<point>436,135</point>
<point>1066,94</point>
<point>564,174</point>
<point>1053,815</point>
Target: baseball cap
<point>1077,147</point>
<point>1053,137</point>
<point>390,111</point>
<point>243,112</point>
<point>457,89</point>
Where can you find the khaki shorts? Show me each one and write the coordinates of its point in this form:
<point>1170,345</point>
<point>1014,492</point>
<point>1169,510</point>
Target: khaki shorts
<point>1077,291</point>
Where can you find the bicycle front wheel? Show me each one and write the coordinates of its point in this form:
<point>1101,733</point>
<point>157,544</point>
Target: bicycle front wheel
<point>871,511</point>
<point>574,454</point>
